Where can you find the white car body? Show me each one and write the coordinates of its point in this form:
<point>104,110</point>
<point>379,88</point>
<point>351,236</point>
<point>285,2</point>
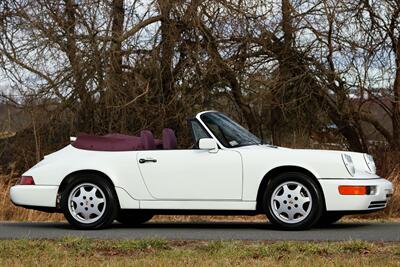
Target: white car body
<point>223,179</point>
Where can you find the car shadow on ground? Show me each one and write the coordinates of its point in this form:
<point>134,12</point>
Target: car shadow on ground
<point>229,225</point>
<point>186,225</point>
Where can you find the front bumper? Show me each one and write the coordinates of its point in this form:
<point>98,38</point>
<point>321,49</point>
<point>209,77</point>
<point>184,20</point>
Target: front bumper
<point>34,195</point>
<point>336,202</point>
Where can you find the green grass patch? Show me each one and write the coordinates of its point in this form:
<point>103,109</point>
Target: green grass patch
<point>158,252</point>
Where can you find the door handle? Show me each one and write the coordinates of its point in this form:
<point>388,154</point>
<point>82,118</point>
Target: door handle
<point>147,160</point>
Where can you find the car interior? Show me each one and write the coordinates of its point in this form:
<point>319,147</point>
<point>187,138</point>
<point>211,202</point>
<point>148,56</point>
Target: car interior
<point>123,142</point>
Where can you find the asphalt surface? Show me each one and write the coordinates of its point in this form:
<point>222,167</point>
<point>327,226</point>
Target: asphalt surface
<point>206,231</point>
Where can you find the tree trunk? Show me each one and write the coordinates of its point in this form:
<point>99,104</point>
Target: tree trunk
<point>167,45</point>
<point>115,89</point>
<point>85,109</point>
<point>349,132</point>
<point>115,72</point>
<point>396,102</point>
<point>285,73</point>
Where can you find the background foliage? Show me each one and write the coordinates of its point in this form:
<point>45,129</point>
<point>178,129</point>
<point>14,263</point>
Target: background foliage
<point>322,73</point>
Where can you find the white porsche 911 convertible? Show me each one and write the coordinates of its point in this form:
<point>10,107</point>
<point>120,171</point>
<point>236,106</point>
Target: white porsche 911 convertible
<point>99,179</point>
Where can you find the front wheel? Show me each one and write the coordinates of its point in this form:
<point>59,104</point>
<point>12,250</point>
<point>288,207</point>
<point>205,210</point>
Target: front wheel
<point>293,201</point>
<point>89,202</point>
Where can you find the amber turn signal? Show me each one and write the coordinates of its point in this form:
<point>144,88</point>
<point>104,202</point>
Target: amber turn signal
<point>353,190</point>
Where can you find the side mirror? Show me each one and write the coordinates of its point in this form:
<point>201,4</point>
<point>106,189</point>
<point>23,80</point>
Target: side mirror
<point>208,144</point>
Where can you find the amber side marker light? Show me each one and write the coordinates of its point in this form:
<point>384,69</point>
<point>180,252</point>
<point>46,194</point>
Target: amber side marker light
<point>27,180</point>
<point>354,190</point>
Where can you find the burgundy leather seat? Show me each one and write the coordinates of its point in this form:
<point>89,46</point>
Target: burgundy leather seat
<point>147,140</point>
<point>159,144</point>
<point>168,139</point>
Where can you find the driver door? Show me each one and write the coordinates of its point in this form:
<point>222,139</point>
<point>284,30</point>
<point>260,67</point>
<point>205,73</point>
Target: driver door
<point>192,174</point>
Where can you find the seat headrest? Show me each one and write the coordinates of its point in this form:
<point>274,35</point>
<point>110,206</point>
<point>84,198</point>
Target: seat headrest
<point>168,139</point>
<point>147,139</point>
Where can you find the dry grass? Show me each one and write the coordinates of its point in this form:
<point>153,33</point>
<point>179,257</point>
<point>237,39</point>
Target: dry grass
<point>88,252</point>
<point>394,207</point>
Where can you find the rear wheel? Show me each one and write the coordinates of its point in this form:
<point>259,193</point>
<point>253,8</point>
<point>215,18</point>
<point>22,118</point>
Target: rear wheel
<point>293,201</point>
<point>89,202</point>
<point>133,218</point>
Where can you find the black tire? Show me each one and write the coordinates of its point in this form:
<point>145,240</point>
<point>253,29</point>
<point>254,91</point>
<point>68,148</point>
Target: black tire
<point>104,191</point>
<point>314,207</point>
<point>133,217</point>
<point>329,218</point>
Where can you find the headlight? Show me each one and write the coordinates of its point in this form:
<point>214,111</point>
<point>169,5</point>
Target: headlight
<point>348,162</point>
<point>370,163</point>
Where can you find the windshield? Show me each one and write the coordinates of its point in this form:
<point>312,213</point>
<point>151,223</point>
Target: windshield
<point>227,131</point>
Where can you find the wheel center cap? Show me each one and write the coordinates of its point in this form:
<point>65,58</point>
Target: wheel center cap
<point>290,202</point>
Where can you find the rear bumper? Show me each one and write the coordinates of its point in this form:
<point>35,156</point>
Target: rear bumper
<point>336,202</point>
<point>34,195</point>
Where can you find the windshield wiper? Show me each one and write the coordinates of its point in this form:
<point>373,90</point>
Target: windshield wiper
<point>246,144</point>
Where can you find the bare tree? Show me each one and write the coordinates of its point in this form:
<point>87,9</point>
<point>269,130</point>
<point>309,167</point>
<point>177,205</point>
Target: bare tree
<point>279,67</point>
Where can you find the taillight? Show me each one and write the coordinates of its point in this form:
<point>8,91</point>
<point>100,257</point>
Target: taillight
<point>27,180</point>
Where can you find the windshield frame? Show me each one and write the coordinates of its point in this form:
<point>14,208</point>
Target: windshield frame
<point>254,140</point>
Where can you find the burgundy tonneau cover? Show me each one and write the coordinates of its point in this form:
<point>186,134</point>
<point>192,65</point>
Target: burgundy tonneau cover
<point>123,142</point>
<point>110,142</point>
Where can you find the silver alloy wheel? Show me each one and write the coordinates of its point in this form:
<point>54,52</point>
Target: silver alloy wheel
<point>291,202</point>
<point>87,203</point>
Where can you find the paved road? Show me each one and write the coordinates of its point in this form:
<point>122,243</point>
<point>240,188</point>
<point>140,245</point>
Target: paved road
<point>206,231</point>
